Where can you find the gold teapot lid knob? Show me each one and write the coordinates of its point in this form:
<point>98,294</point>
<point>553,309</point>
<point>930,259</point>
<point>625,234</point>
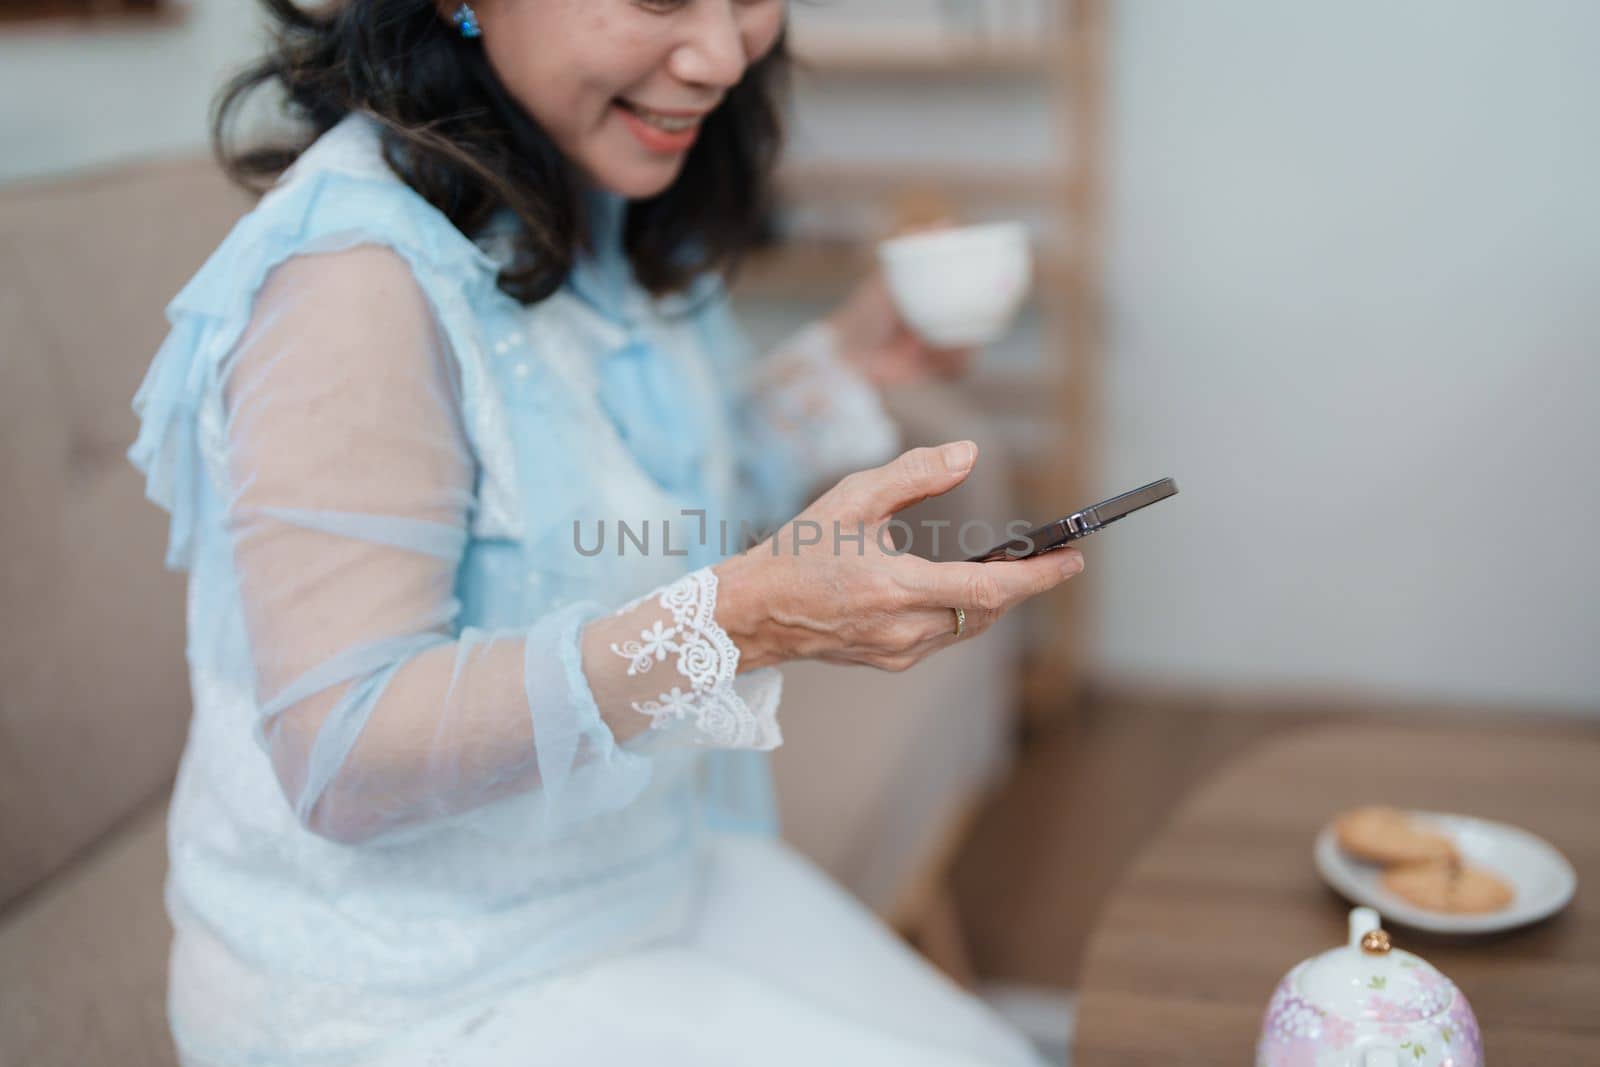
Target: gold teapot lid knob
<point>1376,942</point>
<point>1365,921</point>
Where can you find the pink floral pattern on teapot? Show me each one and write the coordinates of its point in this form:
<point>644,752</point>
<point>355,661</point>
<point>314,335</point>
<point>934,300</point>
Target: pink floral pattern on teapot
<point>1368,1005</point>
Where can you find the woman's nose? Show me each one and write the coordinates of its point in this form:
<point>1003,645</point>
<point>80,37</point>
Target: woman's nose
<point>713,53</point>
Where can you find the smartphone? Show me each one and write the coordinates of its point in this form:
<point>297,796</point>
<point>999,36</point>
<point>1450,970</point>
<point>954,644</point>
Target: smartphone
<point>1062,532</point>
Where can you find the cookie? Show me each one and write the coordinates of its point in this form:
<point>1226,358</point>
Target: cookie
<point>1388,836</point>
<point>1448,886</point>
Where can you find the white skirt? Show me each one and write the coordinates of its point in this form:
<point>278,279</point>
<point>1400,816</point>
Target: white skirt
<point>780,967</point>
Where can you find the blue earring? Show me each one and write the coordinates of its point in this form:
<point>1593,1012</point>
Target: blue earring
<point>467,21</point>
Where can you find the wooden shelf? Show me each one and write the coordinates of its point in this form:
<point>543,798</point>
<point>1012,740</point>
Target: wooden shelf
<point>93,16</point>
<point>1069,62</point>
<point>811,270</point>
<point>967,182</point>
<point>815,270</point>
<point>954,54</point>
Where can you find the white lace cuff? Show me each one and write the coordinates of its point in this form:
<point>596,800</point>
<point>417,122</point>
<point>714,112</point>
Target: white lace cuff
<point>705,704</point>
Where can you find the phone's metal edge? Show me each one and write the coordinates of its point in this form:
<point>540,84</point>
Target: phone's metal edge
<point>1109,511</point>
<point>1083,523</point>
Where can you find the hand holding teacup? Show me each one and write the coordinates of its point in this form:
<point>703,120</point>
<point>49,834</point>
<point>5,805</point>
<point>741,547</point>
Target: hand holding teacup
<point>938,292</point>
<point>959,286</point>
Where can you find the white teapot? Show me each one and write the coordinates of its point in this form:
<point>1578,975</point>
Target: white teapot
<point>1368,1004</point>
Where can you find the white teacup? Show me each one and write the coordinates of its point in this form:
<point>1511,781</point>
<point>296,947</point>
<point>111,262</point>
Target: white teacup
<point>962,286</point>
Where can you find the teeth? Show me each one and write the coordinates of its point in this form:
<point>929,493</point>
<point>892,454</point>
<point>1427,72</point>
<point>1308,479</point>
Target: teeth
<point>666,123</point>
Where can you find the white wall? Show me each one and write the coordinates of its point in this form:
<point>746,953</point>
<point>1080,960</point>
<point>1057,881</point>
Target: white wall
<point>1355,311</point>
<point>74,98</point>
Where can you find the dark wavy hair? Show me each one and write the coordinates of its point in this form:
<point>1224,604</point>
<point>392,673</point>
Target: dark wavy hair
<point>452,132</point>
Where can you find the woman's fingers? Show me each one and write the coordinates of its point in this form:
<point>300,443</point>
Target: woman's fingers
<point>936,631</point>
<point>910,478</point>
<point>993,587</point>
<point>894,611</point>
<point>926,630</point>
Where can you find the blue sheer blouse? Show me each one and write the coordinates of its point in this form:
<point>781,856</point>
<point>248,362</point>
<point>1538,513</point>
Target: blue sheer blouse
<point>345,345</point>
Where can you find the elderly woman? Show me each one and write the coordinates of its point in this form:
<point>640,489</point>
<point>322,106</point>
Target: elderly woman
<point>461,446</point>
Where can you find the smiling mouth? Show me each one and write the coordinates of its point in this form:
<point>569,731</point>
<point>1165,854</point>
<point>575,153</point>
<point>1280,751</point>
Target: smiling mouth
<point>661,121</point>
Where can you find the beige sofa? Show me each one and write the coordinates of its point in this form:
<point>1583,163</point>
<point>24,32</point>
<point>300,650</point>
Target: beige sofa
<point>875,776</point>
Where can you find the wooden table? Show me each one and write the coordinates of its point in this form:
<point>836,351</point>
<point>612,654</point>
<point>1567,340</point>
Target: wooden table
<point>1225,899</point>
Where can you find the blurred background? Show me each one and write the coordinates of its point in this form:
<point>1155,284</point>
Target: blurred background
<point>1332,267</point>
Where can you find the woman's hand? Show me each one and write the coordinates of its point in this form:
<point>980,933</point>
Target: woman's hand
<point>877,341</point>
<point>808,592</point>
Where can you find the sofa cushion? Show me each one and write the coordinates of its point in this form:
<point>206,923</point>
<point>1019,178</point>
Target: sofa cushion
<point>83,964</point>
<point>95,699</point>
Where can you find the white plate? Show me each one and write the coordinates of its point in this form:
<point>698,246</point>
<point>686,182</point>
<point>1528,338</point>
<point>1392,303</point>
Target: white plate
<point>1542,880</point>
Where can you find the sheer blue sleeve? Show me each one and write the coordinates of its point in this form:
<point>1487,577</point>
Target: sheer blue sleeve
<point>349,484</point>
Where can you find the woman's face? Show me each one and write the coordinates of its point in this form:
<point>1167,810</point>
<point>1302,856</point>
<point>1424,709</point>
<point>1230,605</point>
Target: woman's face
<point>620,85</point>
